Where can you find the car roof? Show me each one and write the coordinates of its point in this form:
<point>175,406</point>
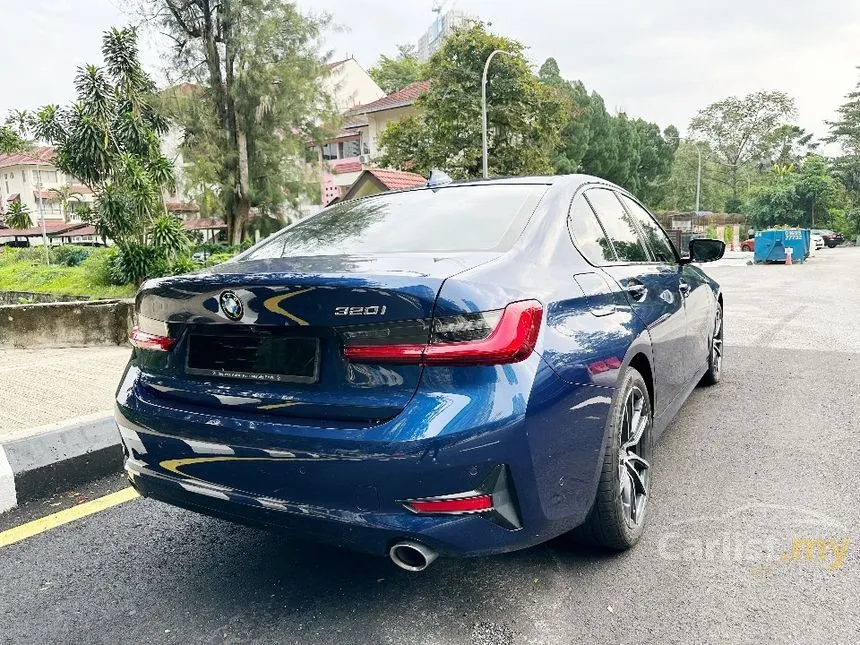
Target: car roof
<point>573,181</point>
<point>545,180</point>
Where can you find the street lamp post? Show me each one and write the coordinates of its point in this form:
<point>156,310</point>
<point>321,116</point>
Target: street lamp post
<point>484,103</point>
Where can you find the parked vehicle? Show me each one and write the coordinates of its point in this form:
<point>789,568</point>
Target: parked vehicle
<point>466,369</point>
<point>748,245</point>
<point>817,241</point>
<point>831,238</point>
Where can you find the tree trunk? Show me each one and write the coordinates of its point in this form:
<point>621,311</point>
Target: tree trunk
<point>734,184</point>
<point>240,216</point>
<point>243,203</point>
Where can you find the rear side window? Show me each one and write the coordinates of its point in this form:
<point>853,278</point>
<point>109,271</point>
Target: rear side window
<point>587,234</point>
<point>618,225</point>
<point>452,219</point>
<point>656,239</point>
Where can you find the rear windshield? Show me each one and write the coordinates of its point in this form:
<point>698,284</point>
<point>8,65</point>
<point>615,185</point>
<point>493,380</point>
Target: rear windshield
<point>451,219</point>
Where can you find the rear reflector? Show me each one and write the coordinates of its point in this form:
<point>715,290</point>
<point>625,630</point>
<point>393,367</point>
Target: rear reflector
<point>142,340</point>
<point>475,504</point>
<point>487,338</point>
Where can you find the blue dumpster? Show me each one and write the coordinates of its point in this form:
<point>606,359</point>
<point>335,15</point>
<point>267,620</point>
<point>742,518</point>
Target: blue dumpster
<point>770,245</point>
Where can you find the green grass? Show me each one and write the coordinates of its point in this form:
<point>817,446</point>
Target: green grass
<point>87,279</point>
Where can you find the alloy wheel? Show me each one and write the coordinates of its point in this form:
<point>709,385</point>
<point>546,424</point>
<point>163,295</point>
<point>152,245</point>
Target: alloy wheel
<point>717,344</point>
<point>634,467</point>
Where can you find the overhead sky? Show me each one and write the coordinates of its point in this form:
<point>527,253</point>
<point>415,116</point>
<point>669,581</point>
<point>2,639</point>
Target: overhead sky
<point>657,59</point>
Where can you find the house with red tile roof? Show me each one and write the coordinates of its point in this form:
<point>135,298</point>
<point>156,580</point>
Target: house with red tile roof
<point>376,180</point>
<point>31,178</point>
<point>353,150</point>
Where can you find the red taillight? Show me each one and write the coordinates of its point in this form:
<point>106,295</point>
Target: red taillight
<point>472,504</point>
<point>410,354</point>
<point>468,339</point>
<point>143,340</point>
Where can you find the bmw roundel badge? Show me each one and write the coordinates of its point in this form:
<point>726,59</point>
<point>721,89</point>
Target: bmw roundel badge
<point>231,305</point>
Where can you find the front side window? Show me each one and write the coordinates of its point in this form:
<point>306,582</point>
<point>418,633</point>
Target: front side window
<point>588,237</point>
<point>620,227</point>
<point>444,220</point>
<point>655,237</point>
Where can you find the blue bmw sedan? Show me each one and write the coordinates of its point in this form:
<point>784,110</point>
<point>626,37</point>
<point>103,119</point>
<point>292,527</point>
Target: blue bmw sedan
<point>453,370</point>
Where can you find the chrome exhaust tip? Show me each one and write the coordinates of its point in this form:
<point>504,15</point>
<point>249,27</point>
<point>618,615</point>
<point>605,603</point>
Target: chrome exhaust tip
<point>412,556</point>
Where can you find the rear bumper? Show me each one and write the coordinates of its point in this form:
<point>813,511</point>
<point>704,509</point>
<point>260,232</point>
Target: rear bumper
<point>363,531</point>
<point>347,491</point>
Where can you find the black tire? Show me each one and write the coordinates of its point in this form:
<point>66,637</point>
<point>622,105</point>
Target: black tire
<point>715,357</point>
<point>613,522</point>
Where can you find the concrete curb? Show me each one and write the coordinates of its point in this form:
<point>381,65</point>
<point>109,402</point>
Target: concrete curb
<point>49,459</point>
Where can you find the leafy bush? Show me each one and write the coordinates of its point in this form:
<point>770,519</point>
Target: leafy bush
<point>99,265</point>
<point>183,265</point>
<point>133,263</point>
<point>70,256</point>
<point>32,254</point>
<point>711,233</point>
<point>218,258</point>
<point>167,235</point>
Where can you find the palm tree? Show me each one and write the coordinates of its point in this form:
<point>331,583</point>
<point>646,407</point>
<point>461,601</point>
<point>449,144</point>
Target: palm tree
<point>18,215</point>
<point>20,121</point>
<point>65,195</point>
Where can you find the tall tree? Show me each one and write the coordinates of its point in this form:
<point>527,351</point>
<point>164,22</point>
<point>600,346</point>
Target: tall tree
<point>816,190</point>
<point>789,144</point>
<point>797,196</point>
<point>656,156</point>
<point>845,130</point>
<point>740,130</point>
<point>110,140</point>
<point>632,153</point>
<point>524,115</point>
<point>15,131</point>
<point>574,136</point>
<point>392,74</point>
<point>677,192</point>
<point>258,65</point>
<point>10,141</point>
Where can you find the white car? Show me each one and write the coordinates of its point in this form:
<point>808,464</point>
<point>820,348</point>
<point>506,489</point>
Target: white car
<point>817,241</point>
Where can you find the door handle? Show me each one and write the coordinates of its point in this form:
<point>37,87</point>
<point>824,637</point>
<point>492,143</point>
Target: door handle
<point>684,288</point>
<point>637,291</point>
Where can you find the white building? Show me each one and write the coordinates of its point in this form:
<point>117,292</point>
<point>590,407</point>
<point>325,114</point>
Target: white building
<point>443,26</point>
<point>27,176</point>
<point>349,85</point>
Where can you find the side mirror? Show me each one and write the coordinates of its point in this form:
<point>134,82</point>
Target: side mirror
<point>705,250</point>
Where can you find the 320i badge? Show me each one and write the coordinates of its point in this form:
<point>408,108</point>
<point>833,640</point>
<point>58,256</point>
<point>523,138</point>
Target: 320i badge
<point>367,379</point>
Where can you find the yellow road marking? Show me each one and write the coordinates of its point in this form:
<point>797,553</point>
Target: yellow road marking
<point>48,522</point>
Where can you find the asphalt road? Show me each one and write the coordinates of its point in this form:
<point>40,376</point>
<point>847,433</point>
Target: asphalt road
<point>768,457</point>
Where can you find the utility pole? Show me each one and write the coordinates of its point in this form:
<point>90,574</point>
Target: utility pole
<point>484,104</point>
<point>698,177</point>
<point>38,172</point>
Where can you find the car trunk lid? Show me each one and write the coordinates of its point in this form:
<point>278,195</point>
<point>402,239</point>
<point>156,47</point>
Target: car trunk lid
<point>266,336</point>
